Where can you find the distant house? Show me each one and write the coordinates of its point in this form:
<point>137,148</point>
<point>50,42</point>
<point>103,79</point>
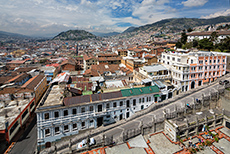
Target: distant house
<point>88,61</point>
<point>68,65</point>
<point>19,79</point>
<point>15,63</point>
<point>38,85</point>
<point>202,35</point>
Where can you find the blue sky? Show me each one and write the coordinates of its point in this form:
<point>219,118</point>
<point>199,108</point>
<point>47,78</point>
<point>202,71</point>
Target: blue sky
<point>44,17</point>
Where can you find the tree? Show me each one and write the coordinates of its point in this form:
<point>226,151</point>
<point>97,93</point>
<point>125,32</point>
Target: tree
<point>179,44</point>
<point>183,37</point>
<point>205,44</point>
<point>195,43</point>
<point>189,30</point>
<point>214,37</point>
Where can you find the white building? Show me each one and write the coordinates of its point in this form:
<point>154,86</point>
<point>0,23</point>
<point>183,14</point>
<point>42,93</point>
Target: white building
<point>189,70</point>
<point>202,35</point>
<point>58,117</point>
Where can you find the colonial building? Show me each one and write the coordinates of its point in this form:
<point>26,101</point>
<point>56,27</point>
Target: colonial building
<point>58,117</point>
<point>202,35</point>
<point>152,72</point>
<point>189,70</point>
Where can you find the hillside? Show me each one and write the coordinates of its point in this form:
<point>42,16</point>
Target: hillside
<point>105,34</point>
<point>76,35</point>
<point>178,24</point>
<point>4,35</point>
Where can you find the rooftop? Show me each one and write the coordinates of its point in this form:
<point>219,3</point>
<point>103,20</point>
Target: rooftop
<point>154,68</point>
<point>11,109</point>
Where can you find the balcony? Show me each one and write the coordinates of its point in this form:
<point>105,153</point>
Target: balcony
<point>158,77</point>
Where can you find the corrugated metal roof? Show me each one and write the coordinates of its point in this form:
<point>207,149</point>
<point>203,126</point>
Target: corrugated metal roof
<point>94,97</point>
<point>139,91</point>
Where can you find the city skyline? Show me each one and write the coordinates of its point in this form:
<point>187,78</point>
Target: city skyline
<point>43,18</point>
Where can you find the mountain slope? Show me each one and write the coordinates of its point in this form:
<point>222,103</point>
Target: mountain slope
<point>4,34</point>
<point>105,34</point>
<point>76,35</point>
<point>178,24</point>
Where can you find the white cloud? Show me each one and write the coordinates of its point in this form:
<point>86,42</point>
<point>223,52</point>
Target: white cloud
<point>194,3</point>
<point>33,17</point>
<point>217,14</point>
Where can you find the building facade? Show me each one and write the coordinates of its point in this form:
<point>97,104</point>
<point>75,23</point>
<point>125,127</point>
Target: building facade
<point>189,70</point>
<point>72,115</point>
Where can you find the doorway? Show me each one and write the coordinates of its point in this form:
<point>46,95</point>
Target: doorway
<point>193,85</point>
<point>121,116</point>
<point>48,144</point>
<point>200,83</point>
<point>99,121</point>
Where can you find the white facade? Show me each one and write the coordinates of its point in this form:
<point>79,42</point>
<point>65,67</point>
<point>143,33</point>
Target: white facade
<point>55,122</point>
<point>189,70</point>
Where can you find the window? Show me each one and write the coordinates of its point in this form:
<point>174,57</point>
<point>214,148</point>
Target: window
<point>56,114</point>
<point>178,59</point>
<point>168,57</point>
<point>66,128</point>
<point>75,126</point>
<point>206,60</point>
<point>173,58</point>
<point>193,68</point>
<point>107,106</point>
<point>74,111</point>
<point>200,74</point>
<point>25,113</point>
<point>217,73</point>
<point>218,66</point>
<point>139,100</point>
<point>115,104</point>
<point>200,67</point>
<point>47,132</point>
<point>206,67</point>
<point>191,61</point>
<point>223,60</point>
<point>201,62</point>
<point>143,100</point>
<point>31,105</point>
<point>13,127</point>
<point>127,103</point>
<point>91,123</point>
<point>99,108</point>
<point>150,99</point>
<point>214,61</point>
<point>147,99</point>
<point>210,61</point>
<point>83,124</point>
<point>121,103</point>
<point>83,110</point>
<point>56,129</point>
<point>65,112</point>
<point>218,60</point>
<point>210,67</point>
<point>214,67</point>
<point>91,108</point>
<point>47,116</point>
<point>134,102</point>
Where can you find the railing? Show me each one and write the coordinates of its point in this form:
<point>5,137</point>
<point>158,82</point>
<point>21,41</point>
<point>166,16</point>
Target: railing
<point>160,77</point>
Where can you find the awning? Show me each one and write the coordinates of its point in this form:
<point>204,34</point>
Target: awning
<point>157,95</point>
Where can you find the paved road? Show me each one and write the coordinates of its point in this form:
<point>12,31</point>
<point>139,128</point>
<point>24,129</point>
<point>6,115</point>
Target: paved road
<point>116,132</point>
<point>28,142</point>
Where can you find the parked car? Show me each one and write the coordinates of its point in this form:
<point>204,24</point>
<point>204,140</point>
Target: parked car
<point>222,82</point>
<point>83,143</point>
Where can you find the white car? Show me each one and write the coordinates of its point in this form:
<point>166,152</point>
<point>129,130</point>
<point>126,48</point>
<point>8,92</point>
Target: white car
<point>83,143</point>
